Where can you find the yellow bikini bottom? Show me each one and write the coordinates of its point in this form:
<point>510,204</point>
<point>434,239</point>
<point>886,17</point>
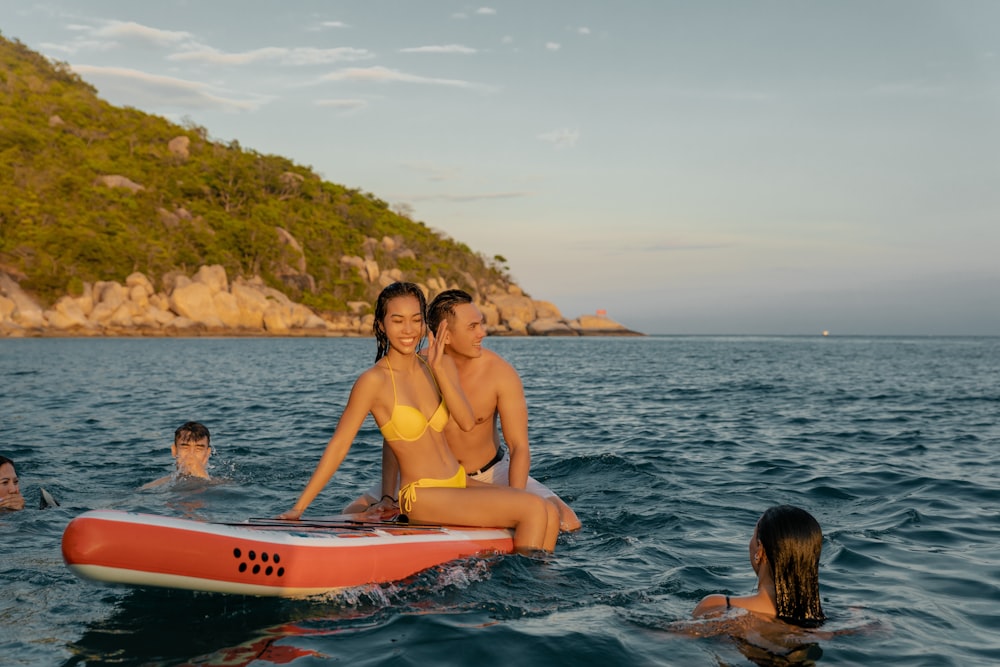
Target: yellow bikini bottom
<point>408,493</point>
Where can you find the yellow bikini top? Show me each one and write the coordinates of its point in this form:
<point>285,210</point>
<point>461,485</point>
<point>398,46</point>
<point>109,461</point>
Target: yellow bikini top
<point>407,423</point>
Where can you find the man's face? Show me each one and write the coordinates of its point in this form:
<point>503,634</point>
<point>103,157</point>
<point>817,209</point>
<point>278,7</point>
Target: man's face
<point>466,331</point>
<point>192,456</point>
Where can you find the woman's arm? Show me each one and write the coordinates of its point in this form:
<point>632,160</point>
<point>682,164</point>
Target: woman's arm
<point>446,376</point>
<point>390,472</point>
<point>358,406</point>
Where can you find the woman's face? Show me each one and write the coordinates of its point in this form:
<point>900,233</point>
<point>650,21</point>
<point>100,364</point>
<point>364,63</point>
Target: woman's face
<point>8,481</point>
<point>404,323</point>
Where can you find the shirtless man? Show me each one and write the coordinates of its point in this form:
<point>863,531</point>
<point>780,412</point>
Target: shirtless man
<point>496,394</point>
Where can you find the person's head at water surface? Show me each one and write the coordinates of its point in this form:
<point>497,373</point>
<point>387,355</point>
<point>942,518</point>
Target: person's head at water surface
<point>784,553</point>
<point>399,314</point>
<point>10,487</point>
<point>191,449</point>
<point>787,540</point>
<point>466,328</point>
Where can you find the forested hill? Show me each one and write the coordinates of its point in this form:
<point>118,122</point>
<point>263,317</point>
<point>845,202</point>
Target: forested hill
<point>91,192</point>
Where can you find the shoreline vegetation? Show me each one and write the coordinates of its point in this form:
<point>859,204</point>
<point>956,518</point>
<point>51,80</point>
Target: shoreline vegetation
<point>116,222</point>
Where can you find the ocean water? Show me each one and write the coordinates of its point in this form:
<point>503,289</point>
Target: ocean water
<point>668,448</point>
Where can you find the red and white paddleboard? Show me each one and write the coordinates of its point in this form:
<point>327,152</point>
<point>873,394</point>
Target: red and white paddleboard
<point>263,556</point>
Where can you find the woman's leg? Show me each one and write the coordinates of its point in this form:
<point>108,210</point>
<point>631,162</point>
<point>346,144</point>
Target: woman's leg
<point>552,526</point>
<point>568,521</point>
<point>535,521</point>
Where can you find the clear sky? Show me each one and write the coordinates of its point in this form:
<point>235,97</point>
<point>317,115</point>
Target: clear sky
<point>743,166</point>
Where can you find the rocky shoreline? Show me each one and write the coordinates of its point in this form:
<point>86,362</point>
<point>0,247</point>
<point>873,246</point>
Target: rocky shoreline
<point>208,304</point>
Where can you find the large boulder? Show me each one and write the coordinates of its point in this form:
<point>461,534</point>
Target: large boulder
<point>290,242</point>
<point>514,307</point>
<point>119,181</point>
<point>7,308</point>
<point>547,309</point>
<point>26,312</point>
<point>517,326</point>
<point>178,146</point>
<point>278,318</point>
<point>138,281</point>
<point>228,309</point>
<point>67,314</point>
<point>491,314</point>
<point>213,276</point>
<point>196,302</point>
<point>600,325</point>
<point>550,326</point>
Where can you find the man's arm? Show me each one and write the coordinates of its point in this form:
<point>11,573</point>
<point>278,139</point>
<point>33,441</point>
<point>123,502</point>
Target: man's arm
<point>513,410</point>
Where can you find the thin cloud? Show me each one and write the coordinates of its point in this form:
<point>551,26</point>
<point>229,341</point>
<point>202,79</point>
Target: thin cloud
<point>583,30</point>
<point>144,90</point>
<point>563,137</point>
<point>553,46</point>
<point>212,56</point>
<point>331,24</point>
<point>343,104</point>
<point>473,197</point>
<point>433,172</point>
<point>280,55</point>
<point>445,48</point>
<point>77,45</point>
<point>486,11</point>
<point>111,34</point>
<point>129,30</point>
<point>908,89</point>
<point>634,246</point>
<point>725,95</point>
<point>676,246</point>
<point>379,74</point>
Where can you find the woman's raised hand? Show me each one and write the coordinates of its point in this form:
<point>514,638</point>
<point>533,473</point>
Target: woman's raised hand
<point>435,345</point>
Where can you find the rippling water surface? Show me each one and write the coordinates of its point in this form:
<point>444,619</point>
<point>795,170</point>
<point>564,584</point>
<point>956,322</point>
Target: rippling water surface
<point>668,449</point>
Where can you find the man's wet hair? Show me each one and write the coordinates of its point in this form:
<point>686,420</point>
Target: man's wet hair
<point>444,305</point>
<point>191,432</point>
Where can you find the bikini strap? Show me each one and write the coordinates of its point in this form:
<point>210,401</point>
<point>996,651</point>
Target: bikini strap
<point>392,376</point>
<point>431,373</point>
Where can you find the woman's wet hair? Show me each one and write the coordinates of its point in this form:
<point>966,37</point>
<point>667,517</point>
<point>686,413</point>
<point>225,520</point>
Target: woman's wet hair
<point>443,305</point>
<point>792,540</point>
<point>391,292</point>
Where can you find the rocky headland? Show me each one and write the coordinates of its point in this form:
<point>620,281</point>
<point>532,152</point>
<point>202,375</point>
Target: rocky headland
<point>114,222</point>
<point>208,303</point>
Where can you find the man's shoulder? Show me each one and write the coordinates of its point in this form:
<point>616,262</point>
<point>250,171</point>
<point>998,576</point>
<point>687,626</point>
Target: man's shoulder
<point>497,366</point>
<point>156,483</point>
<point>493,359</point>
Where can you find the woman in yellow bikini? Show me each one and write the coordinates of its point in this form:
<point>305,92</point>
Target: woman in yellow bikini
<point>398,391</point>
